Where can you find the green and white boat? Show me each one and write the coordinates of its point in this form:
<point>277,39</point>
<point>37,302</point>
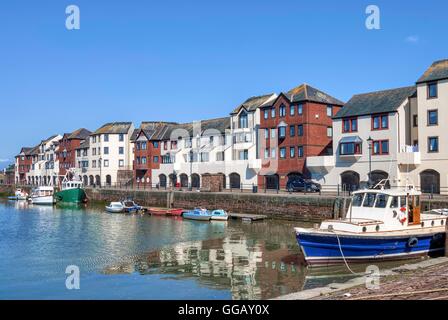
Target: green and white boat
<point>72,191</point>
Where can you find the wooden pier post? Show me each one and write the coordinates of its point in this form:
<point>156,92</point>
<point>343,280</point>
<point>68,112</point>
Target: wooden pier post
<point>446,238</point>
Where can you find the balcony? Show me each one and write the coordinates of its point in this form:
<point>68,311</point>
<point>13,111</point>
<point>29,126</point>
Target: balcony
<point>321,164</point>
<point>409,156</point>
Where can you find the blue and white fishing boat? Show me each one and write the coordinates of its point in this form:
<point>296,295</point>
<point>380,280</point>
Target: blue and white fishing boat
<point>380,224</point>
<point>198,214</point>
<point>219,215</point>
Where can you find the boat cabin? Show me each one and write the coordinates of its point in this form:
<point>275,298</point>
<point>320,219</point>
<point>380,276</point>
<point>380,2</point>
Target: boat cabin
<point>71,185</point>
<point>373,210</point>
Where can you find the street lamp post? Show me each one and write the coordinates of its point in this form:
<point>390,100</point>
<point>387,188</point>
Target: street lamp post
<point>370,142</point>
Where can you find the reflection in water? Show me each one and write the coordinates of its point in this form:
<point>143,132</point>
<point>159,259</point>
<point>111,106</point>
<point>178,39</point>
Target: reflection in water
<point>250,268</point>
<point>149,257</point>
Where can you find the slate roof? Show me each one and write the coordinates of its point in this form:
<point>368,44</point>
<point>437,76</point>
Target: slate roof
<point>219,124</point>
<point>437,71</point>
<point>79,134</point>
<point>253,103</point>
<point>305,92</point>
<point>153,130</point>
<point>114,128</point>
<point>375,102</point>
<point>84,145</point>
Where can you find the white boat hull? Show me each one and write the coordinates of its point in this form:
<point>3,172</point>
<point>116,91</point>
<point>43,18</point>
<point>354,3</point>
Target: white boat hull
<point>49,200</point>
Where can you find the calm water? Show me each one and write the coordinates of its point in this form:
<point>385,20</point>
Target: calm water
<point>143,257</point>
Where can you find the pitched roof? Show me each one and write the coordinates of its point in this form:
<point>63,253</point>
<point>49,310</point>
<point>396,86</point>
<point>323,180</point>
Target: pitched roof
<point>114,128</point>
<point>253,103</point>
<point>49,139</point>
<point>79,134</point>
<point>218,124</point>
<point>153,130</point>
<point>437,71</point>
<point>305,92</point>
<point>34,150</point>
<point>25,151</point>
<point>84,145</point>
<point>375,102</point>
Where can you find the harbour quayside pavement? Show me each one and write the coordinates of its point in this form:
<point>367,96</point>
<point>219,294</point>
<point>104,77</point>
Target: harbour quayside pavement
<point>426,280</point>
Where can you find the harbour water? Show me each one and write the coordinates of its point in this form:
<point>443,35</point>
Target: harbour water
<point>144,257</point>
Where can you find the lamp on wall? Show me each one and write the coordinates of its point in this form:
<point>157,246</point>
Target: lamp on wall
<point>370,142</point>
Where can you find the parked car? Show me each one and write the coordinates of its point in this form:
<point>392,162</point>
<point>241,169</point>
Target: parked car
<point>299,184</point>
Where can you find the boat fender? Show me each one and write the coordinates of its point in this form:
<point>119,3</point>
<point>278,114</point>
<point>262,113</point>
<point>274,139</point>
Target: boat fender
<point>412,242</point>
<point>402,217</point>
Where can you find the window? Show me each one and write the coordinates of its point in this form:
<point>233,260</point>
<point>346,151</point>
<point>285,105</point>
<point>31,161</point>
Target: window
<point>300,151</point>
<point>106,150</point>
<point>357,199</point>
<point>94,164</point>
<point>329,132</point>
<point>350,125</point>
<point>266,153</point>
<point>273,134</point>
<point>381,201</point>
<point>292,131</point>
<point>433,117</point>
<point>156,159</point>
<point>282,111</point>
<point>121,163</point>
<point>243,121</point>
<point>415,120</point>
<point>243,155</point>
<point>155,144</point>
<point>106,138</point>
<point>266,114</point>
<point>94,139</point>
<point>369,200</point>
<point>433,144</point>
<point>300,109</point>
<point>106,163</point>
<point>273,154</point>
<point>282,153</point>
<point>292,110</point>
<point>144,160</point>
<point>174,144</point>
<point>121,137</point>
<point>350,148</point>
<point>204,157</point>
<point>94,152</point>
<point>330,111</point>
<point>165,145</point>
<point>273,113</point>
<point>121,150</point>
<point>266,134</point>
<point>432,90</point>
<point>292,152</point>
<point>211,140</point>
<point>144,146</point>
<point>282,132</point>
<point>300,130</point>
<point>220,156</point>
<point>381,147</point>
<point>380,122</point>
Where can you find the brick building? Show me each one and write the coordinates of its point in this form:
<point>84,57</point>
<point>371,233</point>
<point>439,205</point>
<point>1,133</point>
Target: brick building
<point>68,145</point>
<point>298,125</point>
<point>147,150</point>
<point>23,165</point>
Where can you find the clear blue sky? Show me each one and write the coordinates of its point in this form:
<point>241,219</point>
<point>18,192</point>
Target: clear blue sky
<point>190,60</point>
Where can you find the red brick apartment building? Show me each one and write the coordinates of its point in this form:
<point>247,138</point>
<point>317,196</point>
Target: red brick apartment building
<point>298,125</point>
<point>67,149</point>
<point>147,150</point>
<point>23,165</point>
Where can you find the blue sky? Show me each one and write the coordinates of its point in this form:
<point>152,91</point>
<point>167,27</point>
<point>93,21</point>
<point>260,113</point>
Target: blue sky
<point>191,60</point>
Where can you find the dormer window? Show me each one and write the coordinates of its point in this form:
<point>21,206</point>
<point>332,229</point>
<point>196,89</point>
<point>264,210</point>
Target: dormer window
<point>243,120</point>
<point>432,90</point>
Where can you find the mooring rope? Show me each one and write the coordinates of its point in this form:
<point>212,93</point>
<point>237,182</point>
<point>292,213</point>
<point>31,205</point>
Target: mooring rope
<point>343,257</point>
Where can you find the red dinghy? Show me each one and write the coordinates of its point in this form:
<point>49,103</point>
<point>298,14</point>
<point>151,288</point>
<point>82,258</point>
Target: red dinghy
<point>165,212</point>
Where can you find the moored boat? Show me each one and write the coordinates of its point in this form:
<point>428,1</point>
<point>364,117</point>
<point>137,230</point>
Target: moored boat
<point>19,195</point>
<point>130,206</point>
<point>166,212</point>
<point>71,192</point>
<point>115,207</point>
<point>380,225</point>
<point>219,215</point>
<point>198,214</point>
<point>43,196</point>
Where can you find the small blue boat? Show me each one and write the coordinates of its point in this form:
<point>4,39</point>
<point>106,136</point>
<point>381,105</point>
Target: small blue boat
<point>198,214</point>
<point>220,215</point>
<point>380,225</point>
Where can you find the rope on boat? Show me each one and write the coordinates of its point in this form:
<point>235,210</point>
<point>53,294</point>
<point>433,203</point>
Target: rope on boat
<point>343,257</point>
